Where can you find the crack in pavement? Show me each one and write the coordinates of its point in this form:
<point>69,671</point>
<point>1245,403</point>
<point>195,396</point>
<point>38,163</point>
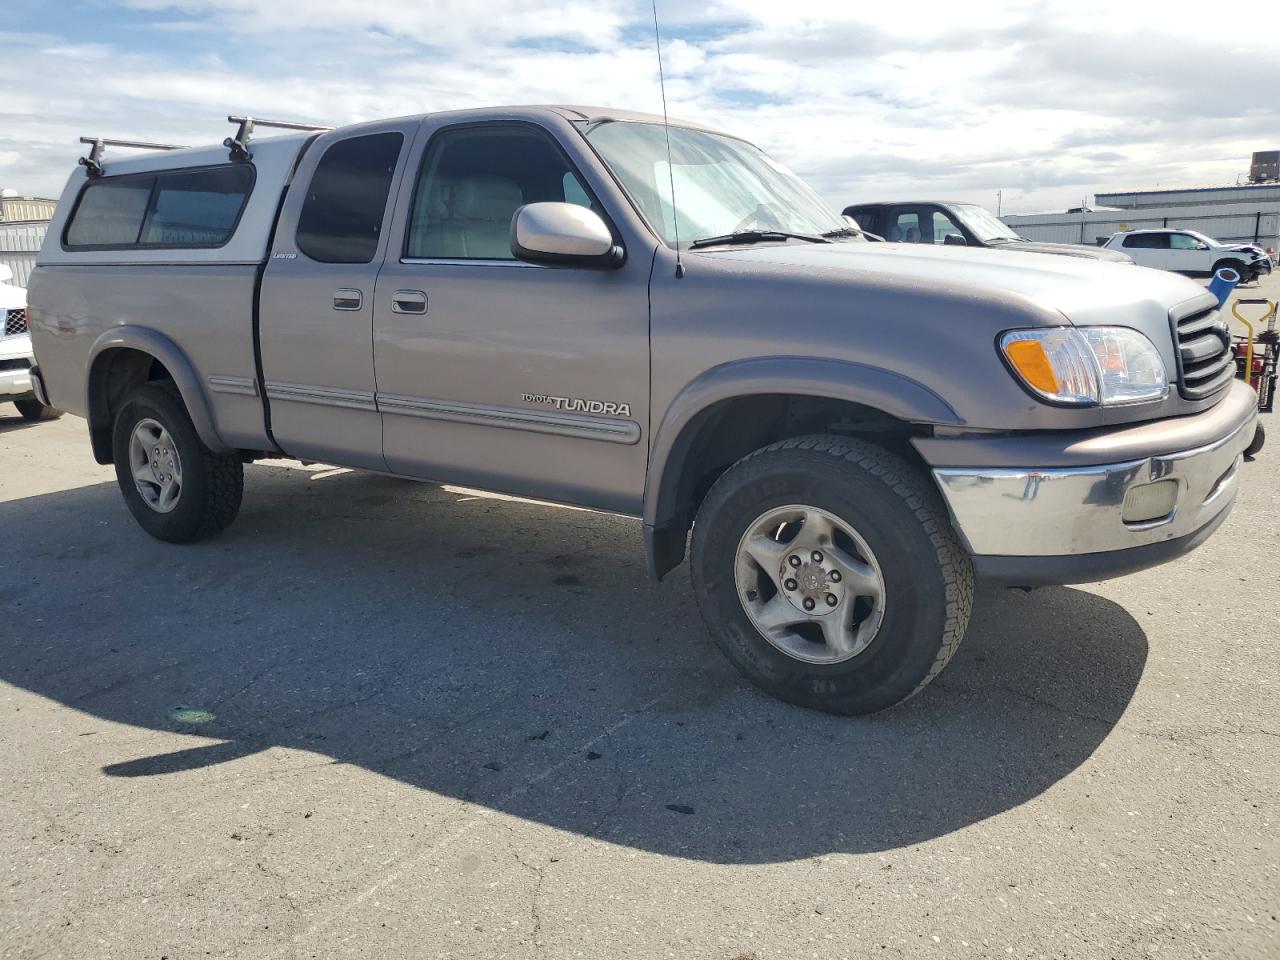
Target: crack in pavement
<point>483,815</point>
<point>534,913</point>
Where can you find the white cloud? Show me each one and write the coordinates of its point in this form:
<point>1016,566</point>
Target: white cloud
<point>1048,102</point>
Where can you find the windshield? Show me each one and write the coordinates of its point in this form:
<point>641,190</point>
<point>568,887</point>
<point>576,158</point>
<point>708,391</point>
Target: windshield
<point>983,223</point>
<point>722,185</point>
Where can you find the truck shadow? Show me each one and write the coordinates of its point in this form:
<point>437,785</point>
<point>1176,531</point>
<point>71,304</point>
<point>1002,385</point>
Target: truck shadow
<point>11,421</point>
<point>516,656</point>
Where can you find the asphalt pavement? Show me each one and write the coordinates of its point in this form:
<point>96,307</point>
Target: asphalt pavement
<point>385,719</point>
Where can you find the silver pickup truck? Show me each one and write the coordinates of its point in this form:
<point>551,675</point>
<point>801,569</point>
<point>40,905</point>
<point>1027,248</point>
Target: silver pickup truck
<point>511,299</point>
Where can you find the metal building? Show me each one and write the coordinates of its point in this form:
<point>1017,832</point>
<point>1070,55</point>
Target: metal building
<point>14,207</point>
<point>19,243</point>
<point>23,223</point>
<point>1248,213</point>
<point>1251,195</point>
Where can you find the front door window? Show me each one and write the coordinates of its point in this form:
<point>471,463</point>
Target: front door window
<point>472,181</point>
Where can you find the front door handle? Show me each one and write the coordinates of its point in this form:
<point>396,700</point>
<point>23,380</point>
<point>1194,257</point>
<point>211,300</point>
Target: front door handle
<point>347,298</point>
<point>408,301</point>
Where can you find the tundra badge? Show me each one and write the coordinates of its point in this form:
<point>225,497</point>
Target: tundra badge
<point>579,405</point>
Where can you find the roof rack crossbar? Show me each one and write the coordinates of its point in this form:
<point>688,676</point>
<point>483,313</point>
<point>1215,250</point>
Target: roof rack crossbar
<point>93,162</point>
<point>239,144</point>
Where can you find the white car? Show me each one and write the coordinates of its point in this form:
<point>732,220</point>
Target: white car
<point>1191,253</point>
<point>16,357</point>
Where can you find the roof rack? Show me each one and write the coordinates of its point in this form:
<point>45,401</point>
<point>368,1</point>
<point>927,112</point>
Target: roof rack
<point>239,144</point>
<point>93,162</point>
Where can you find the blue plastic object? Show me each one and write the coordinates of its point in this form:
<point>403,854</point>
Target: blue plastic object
<point>1221,287</point>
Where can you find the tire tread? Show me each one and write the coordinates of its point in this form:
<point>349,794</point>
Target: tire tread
<point>35,411</point>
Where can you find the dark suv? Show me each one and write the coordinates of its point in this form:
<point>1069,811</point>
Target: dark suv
<point>959,224</point>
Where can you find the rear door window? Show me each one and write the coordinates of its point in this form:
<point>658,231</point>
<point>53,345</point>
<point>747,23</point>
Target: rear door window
<point>904,226</point>
<point>342,216</point>
<point>1147,241</point>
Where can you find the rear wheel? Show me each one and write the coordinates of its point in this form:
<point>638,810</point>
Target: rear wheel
<point>828,572</point>
<point>33,409</point>
<point>176,488</point>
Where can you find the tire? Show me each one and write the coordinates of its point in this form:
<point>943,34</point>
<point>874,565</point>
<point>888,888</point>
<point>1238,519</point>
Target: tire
<point>1240,269</point>
<point>206,499</point>
<point>896,523</point>
<point>33,409</point>
<point>1256,444</point>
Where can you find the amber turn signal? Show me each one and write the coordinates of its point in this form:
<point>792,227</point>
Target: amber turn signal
<point>1030,360</point>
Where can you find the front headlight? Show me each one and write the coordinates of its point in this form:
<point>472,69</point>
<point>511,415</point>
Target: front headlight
<point>1086,366</point>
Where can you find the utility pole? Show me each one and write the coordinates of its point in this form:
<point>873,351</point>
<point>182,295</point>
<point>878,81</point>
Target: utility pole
<point>999,201</point>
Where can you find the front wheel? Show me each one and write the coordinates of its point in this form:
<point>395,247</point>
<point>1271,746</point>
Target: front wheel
<point>1257,443</point>
<point>33,409</point>
<point>828,572</point>
<point>1235,265</point>
<point>176,488</point>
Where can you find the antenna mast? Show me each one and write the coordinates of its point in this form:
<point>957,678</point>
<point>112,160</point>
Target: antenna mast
<point>666,129</point>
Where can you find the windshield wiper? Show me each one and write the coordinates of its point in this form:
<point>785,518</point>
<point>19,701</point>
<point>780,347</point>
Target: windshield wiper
<point>844,232</point>
<point>1007,240</point>
<point>755,236</point>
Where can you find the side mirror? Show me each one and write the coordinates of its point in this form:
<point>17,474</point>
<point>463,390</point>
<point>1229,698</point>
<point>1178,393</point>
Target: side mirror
<point>564,234</point>
<point>954,240</point>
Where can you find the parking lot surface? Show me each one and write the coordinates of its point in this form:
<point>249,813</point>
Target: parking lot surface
<point>385,719</point>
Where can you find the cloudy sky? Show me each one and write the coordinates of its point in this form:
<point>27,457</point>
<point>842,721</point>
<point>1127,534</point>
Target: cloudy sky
<point>1046,101</point>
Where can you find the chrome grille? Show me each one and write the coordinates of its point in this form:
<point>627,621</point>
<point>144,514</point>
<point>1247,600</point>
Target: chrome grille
<point>1206,363</point>
<point>15,322</point>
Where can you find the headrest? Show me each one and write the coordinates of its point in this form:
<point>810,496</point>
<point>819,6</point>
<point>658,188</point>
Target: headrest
<point>486,198</point>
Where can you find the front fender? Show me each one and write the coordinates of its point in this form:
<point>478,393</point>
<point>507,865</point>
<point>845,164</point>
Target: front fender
<point>885,390</point>
<point>185,378</point>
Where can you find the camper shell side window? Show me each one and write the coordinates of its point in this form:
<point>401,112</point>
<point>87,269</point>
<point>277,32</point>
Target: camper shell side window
<point>193,208</point>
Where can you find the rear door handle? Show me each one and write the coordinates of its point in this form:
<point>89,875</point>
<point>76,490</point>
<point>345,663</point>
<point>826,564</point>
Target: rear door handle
<point>347,298</point>
<point>408,301</point>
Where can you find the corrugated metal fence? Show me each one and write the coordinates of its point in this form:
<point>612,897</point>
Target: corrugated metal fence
<point>20,241</point>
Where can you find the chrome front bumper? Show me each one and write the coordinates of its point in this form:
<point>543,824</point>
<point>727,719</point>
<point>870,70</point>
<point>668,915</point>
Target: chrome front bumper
<point>1066,524</point>
<point>15,384</point>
